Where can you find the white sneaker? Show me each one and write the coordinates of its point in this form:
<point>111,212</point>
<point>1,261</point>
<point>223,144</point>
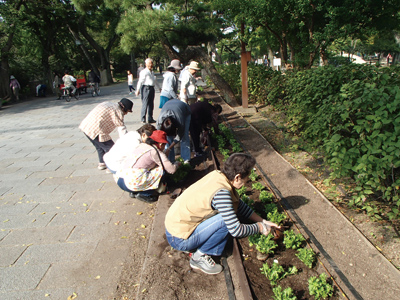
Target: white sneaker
<point>102,166</point>
<point>206,264</point>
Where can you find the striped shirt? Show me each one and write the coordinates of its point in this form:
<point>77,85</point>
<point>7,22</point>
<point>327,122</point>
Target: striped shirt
<point>102,120</point>
<point>222,202</point>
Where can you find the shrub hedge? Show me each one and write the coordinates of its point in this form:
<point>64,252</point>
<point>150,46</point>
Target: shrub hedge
<point>350,113</point>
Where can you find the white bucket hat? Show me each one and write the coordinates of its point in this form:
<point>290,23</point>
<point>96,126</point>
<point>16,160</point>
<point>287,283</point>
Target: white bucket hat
<point>194,65</point>
<point>176,64</point>
<point>12,77</point>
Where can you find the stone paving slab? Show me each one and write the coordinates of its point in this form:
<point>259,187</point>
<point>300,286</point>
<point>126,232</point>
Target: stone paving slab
<point>9,255</point>
<point>21,277</point>
<point>15,209</point>
<point>43,235</point>
<point>25,221</point>
<point>50,253</point>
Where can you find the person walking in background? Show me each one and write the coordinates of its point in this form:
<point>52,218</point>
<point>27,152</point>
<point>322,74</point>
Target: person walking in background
<point>101,121</point>
<point>174,119</point>
<point>188,83</point>
<point>15,86</point>
<point>145,87</point>
<point>210,212</point>
<point>56,85</point>
<point>169,88</point>
<point>130,82</point>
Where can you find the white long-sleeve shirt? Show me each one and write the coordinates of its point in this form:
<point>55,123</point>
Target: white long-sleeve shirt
<point>147,77</point>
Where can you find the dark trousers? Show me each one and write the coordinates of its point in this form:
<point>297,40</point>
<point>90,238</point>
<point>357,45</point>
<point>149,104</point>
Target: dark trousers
<point>195,131</point>
<point>148,94</point>
<point>101,147</point>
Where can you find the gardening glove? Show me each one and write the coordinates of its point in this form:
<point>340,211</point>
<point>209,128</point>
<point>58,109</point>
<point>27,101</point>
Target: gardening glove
<point>266,229</point>
<point>270,224</point>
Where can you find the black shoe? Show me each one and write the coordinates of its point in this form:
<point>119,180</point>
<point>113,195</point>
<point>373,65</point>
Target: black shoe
<point>152,121</point>
<point>148,199</point>
<point>132,194</point>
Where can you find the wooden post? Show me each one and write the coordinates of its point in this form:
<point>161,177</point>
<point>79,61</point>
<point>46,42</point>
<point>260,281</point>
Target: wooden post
<point>244,59</point>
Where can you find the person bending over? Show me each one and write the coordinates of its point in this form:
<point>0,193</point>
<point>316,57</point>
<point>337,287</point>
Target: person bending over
<point>141,172</point>
<point>205,216</point>
<point>125,145</point>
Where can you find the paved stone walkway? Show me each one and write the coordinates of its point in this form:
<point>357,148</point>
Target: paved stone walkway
<point>65,227</point>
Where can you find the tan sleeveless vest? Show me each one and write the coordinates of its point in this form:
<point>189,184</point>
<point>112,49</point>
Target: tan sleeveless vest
<point>194,205</point>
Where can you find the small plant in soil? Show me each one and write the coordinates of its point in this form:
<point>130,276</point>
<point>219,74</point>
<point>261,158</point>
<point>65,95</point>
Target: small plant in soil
<point>246,199</point>
<point>264,244</point>
<point>292,240</point>
<point>181,172</point>
<point>258,186</point>
<point>286,294</point>
<point>253,175</point>
<point>319,287</point>
<point>276,272</point>
<point>307,256</point>
<point>266,197</point>
<point>242,191</point>
<point>276,217</point>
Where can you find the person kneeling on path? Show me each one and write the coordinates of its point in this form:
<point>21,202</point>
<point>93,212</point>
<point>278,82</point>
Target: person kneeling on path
<point>203,218</point>
<point>101,121</point>
<point>125,145</point>
<point>141,172</point>
<point>174,119</point>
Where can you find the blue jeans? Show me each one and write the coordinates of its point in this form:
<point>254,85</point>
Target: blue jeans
<point>210,237</point>
<point>185,143</point>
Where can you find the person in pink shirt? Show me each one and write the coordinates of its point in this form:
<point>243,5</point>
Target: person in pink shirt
<point>15,86</point>
<point>141,172</point>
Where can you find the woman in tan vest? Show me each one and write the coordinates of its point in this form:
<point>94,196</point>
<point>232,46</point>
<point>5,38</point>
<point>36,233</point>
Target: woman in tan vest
<point>203,218</point>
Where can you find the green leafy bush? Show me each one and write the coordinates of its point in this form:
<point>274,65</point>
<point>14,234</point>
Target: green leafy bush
<point>319,287</point>
<point>286,294</point>
<point>242,191</point>
<point>307,256</point>
<point>292,240</point>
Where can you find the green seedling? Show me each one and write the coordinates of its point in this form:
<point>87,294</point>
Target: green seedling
<point>270,207</point>
<point>246,199</point>
<point>266,197</point>
<point>258,186</point>
<point>264,244</point>
<point>319,287</point>
<point>242,191</point>
<point>253,175</point>
<point>292,240</point>
<point>307,256</point>
<point>275,216</point>
<point>182,171</point>
<point>286,294</point>
<point>276,272</point>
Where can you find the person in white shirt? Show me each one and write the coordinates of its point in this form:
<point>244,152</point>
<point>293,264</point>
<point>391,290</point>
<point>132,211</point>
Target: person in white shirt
<point>125,145</point>
<point>145,87</point>
<point>188,83</point>
<point>130,82</point>
<point>69,82</point>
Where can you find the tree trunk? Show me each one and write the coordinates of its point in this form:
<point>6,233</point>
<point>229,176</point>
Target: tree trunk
<point>103,55</point>
<point>196,52</point>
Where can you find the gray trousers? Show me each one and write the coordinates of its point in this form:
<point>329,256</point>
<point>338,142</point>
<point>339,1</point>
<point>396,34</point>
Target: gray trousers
<point>148,94</point>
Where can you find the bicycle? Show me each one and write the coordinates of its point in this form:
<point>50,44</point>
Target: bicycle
<point>67,94</point>
<point>95,89</point>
